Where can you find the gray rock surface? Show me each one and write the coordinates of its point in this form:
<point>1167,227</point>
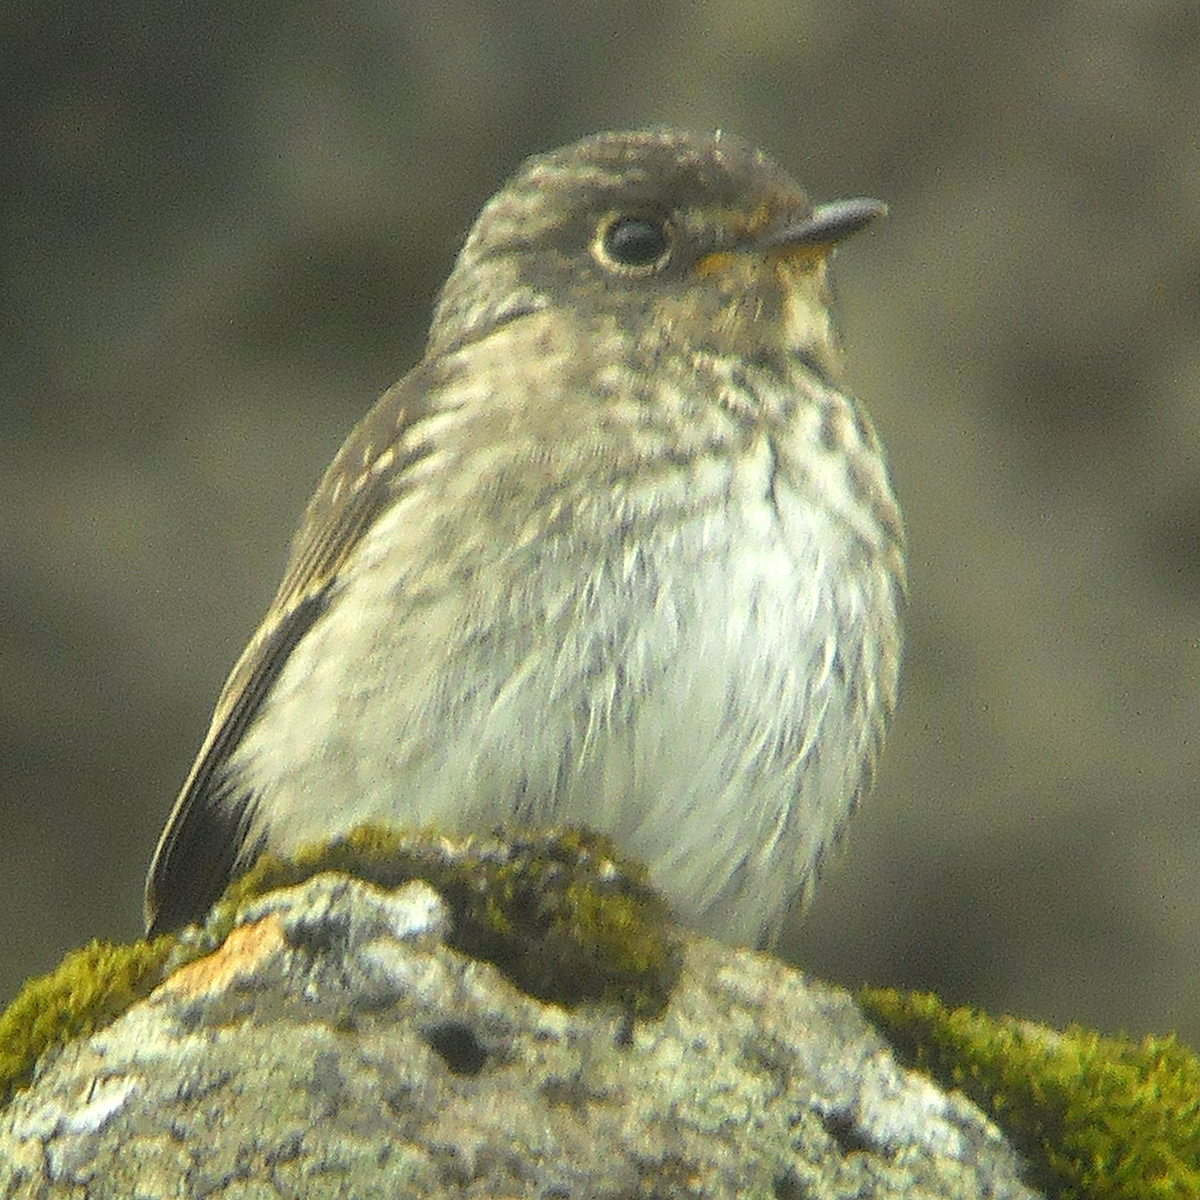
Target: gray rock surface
<point>335,1046</point>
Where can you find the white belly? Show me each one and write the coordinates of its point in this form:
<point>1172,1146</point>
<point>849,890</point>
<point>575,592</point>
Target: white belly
<point>711,699</point>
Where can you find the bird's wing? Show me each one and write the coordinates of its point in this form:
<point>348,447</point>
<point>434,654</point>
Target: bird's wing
<point>204,841</point>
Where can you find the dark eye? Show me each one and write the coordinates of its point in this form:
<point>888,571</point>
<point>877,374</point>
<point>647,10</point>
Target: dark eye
<point>637,244</point>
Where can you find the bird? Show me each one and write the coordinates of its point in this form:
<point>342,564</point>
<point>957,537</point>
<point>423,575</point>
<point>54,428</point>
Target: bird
<point>620,551</point>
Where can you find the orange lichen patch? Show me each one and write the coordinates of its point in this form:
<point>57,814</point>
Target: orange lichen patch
<point>240,956</point>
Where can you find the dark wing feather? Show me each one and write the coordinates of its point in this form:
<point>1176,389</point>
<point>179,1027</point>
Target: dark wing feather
<point>204,843</point>
<point>206,834</point>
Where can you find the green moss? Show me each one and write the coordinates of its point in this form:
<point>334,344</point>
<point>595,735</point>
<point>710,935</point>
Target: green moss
<point>558,912</point>
<point>88,989</point>
<point>1104,1118</point>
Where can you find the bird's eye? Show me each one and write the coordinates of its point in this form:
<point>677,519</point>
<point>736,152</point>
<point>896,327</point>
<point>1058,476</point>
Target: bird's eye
<point>633,245</point>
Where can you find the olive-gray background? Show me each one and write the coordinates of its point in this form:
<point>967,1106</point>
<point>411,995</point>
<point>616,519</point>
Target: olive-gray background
<point>223,227</point>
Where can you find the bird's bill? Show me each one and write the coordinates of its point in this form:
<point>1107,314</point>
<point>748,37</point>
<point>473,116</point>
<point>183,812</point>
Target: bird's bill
<point>826,225</point>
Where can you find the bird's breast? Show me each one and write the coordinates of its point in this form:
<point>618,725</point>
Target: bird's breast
<point>704,676</point>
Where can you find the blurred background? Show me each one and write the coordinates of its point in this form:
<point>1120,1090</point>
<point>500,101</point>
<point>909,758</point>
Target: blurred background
<point>221,231</point>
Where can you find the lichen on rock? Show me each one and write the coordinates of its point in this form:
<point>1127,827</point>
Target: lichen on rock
<point>89,988</point>
<point>334,1044</point>
<point>558,911</point>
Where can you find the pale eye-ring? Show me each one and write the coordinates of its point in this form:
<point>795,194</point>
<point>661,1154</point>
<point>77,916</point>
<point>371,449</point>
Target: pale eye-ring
<point>633,245</point>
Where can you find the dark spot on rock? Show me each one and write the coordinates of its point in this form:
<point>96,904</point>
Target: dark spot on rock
<point>458,1047</point>
<point>788,1187</point>
<point>841,1127</point>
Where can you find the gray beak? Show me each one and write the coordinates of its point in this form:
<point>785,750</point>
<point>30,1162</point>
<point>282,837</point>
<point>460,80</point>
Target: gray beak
<point>827,225</point>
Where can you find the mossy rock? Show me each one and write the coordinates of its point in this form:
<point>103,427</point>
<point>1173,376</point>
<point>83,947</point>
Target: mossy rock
<point>558,912</point>
<point>90,988</point>
<point>1101,1118</point>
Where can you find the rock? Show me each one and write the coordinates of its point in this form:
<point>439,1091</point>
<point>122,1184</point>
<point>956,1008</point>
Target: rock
<point>334,1045</point>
